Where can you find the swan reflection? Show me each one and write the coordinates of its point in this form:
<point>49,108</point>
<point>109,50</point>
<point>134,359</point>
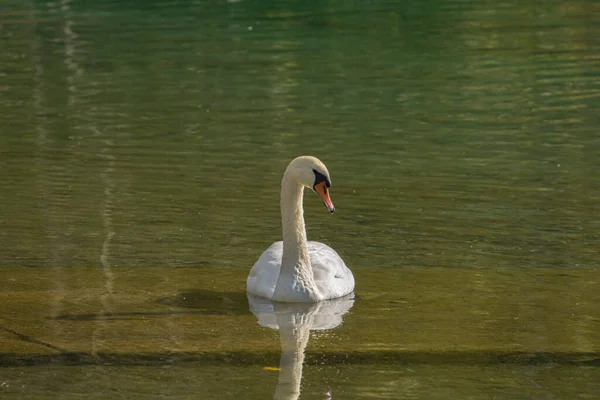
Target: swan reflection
<point>295,321</point>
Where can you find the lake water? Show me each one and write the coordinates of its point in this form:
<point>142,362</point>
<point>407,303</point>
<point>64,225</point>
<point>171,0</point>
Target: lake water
<point>142,146</point>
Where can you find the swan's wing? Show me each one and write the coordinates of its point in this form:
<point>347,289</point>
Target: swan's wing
<point>265,272</point>
<point>332,276</point>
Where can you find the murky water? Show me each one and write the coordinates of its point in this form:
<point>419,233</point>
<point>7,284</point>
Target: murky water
<point>141,150</point>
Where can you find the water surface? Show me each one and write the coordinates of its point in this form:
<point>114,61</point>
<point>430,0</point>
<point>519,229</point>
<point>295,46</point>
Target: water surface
<point>141,150</point>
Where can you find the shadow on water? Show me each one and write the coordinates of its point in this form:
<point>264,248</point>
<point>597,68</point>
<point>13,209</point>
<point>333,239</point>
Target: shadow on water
<point>390,358</point>
<point>209,302</point>
<point>195,301</point>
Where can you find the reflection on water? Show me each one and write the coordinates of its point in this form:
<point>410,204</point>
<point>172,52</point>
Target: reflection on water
<point>141,147</point>
<point>294,322</point>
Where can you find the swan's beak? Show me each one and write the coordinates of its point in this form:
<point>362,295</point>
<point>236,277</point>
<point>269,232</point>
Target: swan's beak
<point>321,189</point>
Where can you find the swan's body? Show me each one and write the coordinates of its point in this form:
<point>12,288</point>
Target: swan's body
<point>295,270</point>
<point>331,277</point>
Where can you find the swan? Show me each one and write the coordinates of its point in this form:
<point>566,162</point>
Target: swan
<point>294,270</point>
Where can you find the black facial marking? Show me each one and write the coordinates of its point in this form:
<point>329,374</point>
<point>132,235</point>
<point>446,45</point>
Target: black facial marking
<point>319,177</point>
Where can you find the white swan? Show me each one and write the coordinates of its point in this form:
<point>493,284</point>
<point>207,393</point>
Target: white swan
<point>295,270</point>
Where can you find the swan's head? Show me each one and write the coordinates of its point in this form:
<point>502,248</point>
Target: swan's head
<point>312,173</point>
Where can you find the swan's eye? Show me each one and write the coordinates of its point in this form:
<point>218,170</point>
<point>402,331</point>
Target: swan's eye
<point>319,177</point>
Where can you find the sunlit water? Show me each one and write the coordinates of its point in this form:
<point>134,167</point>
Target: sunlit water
<point>141,151</point>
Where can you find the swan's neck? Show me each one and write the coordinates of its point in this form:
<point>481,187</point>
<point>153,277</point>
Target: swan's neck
<point>295,247</point>
<point>295,263</point>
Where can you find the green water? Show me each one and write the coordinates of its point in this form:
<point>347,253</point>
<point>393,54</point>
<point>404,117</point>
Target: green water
<point>141,149</point>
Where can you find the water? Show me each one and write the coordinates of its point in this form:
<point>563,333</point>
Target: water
<point>141,150</point>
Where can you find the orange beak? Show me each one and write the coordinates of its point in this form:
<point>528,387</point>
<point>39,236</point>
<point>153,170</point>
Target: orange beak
<point>323,192</point>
